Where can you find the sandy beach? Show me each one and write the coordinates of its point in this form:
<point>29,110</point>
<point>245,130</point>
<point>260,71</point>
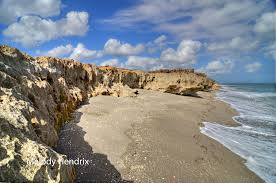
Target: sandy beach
<point>154,137</point>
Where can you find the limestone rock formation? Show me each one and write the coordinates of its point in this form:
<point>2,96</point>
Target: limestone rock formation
<point>181,81</point>
<point>38,95</point>
<point>27,123</point>
<point>116,90</point>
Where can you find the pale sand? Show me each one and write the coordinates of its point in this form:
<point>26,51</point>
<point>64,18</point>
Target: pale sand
<point>153,137</point>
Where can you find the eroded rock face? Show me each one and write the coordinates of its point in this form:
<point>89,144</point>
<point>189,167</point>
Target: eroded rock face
<point>28,115</point>
<point>38,95</point>
<point>181,81</point>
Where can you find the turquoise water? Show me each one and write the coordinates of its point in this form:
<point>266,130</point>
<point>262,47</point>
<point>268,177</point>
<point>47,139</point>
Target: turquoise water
<point>255,139</point>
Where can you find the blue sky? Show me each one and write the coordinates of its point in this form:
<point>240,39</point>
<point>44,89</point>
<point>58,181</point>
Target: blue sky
<point>231,41</point>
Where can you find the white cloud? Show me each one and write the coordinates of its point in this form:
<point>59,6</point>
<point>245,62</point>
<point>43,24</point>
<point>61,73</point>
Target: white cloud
<point>144,63</point>
<point>60,51</point>
<point>218,67</point>
<point>217,19</point>
<point>271,50</point>
<point>160,41</point>
<point>111,62</point>
<point>253,67</point>
<point>227,20</point>
<point>82,53</point>
<point>184,54</point>
<point>33,30</point>
<point>157,67</point>
<point>156,11</point>
<point>153,11</point>
<point>10,10</point>
<point>226,26</point>
<point>158,44</point>
<point>266,25</point>
<point>115,47</point>
<point>235,44</point>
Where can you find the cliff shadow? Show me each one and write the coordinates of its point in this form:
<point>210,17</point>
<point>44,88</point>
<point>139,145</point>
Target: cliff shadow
<point>193,95</point>
<point>72,143</point>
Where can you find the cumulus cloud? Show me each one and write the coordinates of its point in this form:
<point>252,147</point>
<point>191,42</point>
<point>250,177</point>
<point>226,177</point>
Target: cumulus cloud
<point>235,44</point>
<point>143,63</point>
<point>111,62</point>
<point>60,51</point>
<point>33,30</point>
<point>82,53</point>
<point>10,10</point>
<point>157,44</point>
<point>218,67</point>
<point>115,47</point>
<point>230,28</point>
<point>160,41</point>
<point>253,67</point>
<point>184,54</point>
<point>271,51</point>
<point>266,26</point>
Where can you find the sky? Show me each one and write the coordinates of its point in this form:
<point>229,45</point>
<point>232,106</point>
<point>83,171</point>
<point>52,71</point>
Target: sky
<point>232,41</point>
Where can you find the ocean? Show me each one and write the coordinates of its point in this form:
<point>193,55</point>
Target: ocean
<point>255,139</point>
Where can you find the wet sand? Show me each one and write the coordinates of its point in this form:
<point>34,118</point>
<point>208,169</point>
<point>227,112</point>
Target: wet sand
<point>153,137</point>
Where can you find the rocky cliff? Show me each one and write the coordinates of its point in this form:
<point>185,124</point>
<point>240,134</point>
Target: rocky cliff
<point>38,95</point>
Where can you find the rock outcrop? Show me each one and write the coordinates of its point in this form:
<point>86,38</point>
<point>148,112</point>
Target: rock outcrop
<point>38,95</point>
<point>180,81</point>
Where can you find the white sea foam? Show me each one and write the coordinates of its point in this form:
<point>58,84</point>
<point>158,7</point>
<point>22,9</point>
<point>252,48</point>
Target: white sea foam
<point>255,139</point>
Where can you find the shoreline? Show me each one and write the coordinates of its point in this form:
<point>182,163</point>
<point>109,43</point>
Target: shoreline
<point>250,139</point>
<point>153,137</point>
<point>231,123</point>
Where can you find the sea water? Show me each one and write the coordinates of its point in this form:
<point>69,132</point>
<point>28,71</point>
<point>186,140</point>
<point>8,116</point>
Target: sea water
<point>255,139</point>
